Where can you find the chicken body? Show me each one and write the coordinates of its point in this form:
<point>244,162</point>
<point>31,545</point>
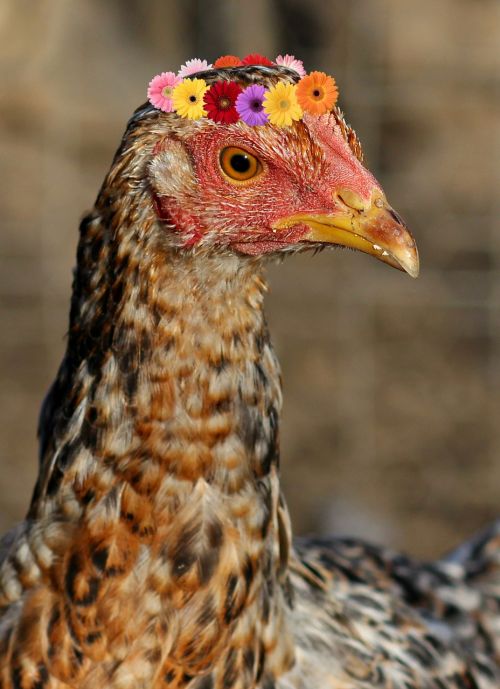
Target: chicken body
<point>157,551</point>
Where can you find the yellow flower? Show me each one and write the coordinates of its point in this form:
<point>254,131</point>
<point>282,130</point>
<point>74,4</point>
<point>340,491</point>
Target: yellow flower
<point>280,103</point>
<point>187,98</point>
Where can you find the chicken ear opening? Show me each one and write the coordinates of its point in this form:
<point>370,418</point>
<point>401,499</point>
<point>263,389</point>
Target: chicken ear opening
<point>171,170</point>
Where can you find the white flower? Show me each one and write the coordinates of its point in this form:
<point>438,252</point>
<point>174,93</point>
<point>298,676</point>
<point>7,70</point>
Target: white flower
<point>193,66</point>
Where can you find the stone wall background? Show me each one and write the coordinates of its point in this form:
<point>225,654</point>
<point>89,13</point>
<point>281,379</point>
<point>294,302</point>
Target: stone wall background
<point>392,408</point>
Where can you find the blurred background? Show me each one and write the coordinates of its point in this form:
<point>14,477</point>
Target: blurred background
<point>391,426</point>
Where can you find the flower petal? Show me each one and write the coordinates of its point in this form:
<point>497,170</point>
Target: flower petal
<point>188,98</point>
<point>159,90</point>
<point>317,93</point>
<point>193,66</point>
<point>249,105</point>
<point>256,59</point>
<point>292,63</point>
<point>220,101</point>
<point>281,104</point>
<point>228,61</point>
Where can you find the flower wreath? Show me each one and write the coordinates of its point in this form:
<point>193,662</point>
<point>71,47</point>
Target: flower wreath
<point>227,102</point>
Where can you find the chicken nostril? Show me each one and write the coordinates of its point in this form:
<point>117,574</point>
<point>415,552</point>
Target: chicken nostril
<point>395,216</point>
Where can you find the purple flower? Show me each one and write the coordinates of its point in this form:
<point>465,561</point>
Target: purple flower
<point>249,105</point>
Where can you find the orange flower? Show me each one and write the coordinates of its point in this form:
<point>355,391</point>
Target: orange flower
<point>228,61</point>
<point>317,93</point>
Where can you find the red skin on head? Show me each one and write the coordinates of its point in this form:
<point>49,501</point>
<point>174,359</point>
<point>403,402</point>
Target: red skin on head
<point>303,168</point>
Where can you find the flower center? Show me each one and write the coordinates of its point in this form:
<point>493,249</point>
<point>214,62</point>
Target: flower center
<point>284,104</point>
<point>317,94</point>
<point>224,103</point>
<point>167,91</point>
<point>192,99</point>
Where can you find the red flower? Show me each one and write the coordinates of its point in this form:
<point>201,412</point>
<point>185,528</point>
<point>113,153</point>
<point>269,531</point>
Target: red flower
<point>228,61</point>
<point>220,101</point>
<point>256,59</point>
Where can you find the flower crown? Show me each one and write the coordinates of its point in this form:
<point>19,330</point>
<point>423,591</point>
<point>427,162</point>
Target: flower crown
<point>227,102</point>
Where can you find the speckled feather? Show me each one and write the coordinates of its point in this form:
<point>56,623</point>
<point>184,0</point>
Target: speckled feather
<point>157,550</point>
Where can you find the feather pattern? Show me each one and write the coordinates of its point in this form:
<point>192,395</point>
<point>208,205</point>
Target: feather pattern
<point>157,550</point>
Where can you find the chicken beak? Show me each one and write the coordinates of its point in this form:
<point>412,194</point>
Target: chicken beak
<point>372,227</point>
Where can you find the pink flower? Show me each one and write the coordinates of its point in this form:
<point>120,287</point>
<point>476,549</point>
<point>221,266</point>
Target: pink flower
<point>292,63</point>
<point>193,66</point>
<point>160,90</point>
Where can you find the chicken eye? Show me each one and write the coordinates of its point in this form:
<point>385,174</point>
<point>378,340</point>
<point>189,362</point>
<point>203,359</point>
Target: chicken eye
<point>239,165</point>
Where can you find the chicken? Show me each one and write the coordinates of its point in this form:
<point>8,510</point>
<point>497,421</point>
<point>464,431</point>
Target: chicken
<point>157,549</point>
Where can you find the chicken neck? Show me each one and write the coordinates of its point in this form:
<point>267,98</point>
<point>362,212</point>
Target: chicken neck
<point>158,497</point>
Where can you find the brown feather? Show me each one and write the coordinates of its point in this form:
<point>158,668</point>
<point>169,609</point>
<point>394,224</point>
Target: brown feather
<point>157,550</point>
